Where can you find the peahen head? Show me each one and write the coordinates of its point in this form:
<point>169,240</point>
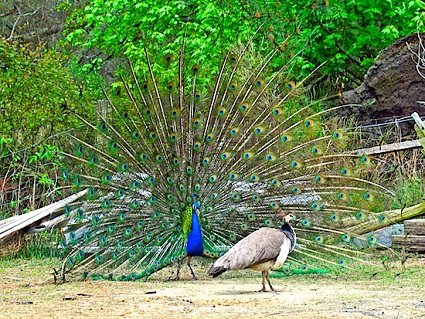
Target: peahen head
<point>287,216</point>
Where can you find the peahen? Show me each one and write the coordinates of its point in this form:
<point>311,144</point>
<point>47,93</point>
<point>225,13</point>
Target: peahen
<point>181,166</point>
<point>265,249</point>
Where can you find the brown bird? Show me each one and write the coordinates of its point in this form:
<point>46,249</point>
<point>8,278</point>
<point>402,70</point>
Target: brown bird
<point>266,248</point>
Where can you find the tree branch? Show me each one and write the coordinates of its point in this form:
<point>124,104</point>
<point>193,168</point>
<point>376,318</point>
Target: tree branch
<point>18,18</point>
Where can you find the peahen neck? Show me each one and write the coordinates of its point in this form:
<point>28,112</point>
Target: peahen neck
<point>290,233</point>
<point>194,245</point>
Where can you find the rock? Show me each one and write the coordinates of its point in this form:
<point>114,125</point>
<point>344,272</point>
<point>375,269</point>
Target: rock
<point>392,87</point>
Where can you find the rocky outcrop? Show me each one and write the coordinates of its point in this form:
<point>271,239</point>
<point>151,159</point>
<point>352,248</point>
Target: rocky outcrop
<point>393,87</point>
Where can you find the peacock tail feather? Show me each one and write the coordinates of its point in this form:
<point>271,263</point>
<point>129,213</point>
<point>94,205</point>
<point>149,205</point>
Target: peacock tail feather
<point>241,147</point>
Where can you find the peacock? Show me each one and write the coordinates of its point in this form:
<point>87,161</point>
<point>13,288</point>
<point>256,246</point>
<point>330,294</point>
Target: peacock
<point>178,166</point>
<point>193,238</point>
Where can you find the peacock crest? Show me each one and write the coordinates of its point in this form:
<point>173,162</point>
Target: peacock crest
<point>176,156</point>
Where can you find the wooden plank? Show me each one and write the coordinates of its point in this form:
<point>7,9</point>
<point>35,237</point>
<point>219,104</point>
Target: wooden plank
<point>394,147</point>
<point>414,227</point>
<point>8,220</point>
<point>48,224</point>
<point>27,219</point>
<point>411,243</point>
<point>387,148</point>
<point>395,216</point>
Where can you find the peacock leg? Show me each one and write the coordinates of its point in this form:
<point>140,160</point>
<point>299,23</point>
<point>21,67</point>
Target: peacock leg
<point>177,274</point>
<point>189,258</point>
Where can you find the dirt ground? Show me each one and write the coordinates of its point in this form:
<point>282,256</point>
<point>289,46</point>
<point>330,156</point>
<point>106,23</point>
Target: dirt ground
<point>28,291</point>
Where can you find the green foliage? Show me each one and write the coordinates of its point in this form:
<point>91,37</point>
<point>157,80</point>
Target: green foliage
<point>410,191</point>
<point>39,99</point>
<point>45,152</point>
<point>120,26</point>
<point>28,178</point>
<point>349,34</point>
<point>5,144</point>
<point>126,27</point>
<point>38,93</point>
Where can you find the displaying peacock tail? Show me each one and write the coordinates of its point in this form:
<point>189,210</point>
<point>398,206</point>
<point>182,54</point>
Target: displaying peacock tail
<point>178,166</point>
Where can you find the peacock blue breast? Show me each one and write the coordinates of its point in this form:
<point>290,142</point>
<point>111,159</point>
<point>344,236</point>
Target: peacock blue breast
<point>195,247</point>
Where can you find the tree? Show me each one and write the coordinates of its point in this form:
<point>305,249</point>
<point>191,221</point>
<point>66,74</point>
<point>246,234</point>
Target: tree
<point>348,34</point>
<point>38,93</point>
<point>39,98</point>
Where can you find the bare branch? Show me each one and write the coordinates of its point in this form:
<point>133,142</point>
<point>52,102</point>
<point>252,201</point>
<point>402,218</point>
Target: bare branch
<point>419,57</point>
<point>18,18</point>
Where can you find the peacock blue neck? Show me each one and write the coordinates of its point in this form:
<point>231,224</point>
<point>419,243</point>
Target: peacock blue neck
<point>194,246</point>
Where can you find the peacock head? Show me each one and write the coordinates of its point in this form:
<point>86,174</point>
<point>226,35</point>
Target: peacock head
<point>196,205</point>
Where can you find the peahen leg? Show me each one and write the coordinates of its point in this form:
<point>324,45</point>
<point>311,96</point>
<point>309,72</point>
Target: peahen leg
<point>268,280</point>
<point>189,258</point>
<point>263,274</point>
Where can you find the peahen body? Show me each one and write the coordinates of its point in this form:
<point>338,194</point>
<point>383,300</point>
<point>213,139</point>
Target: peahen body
<point>178,166</point>
<point>265,249</point>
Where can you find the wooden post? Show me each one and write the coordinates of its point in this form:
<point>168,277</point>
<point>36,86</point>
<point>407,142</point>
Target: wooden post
<point>420,129</point>
<point>413,239</point>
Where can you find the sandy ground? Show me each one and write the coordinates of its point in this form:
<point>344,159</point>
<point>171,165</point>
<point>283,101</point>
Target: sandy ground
<point>27,291</point>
